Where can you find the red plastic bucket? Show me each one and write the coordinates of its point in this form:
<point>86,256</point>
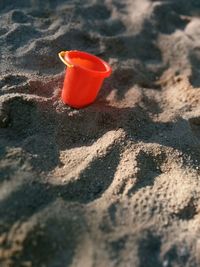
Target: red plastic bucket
<point>83,79</point>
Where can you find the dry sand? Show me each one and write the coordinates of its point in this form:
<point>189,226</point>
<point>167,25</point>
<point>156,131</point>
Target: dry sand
<point>116,183</point>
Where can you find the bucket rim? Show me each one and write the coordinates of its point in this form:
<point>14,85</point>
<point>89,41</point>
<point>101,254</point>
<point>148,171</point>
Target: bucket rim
<point>105,73</point>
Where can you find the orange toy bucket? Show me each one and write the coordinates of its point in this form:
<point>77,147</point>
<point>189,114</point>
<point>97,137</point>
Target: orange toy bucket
<point>83,79</point>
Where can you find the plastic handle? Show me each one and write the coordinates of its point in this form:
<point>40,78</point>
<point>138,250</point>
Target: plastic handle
<point>61,56</point>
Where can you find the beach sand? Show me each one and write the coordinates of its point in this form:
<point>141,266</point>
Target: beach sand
<point>116,183</point>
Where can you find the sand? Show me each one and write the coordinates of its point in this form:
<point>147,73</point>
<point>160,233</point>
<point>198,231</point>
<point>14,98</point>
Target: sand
<point>116,183</point>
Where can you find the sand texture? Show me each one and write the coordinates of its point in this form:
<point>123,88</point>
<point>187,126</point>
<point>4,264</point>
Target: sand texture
<point>116,184</point>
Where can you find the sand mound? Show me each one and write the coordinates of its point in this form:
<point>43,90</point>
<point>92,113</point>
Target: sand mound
<point>116,183</point>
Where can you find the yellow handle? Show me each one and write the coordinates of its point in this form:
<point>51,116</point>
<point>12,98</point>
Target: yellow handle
<point>61,56</point>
